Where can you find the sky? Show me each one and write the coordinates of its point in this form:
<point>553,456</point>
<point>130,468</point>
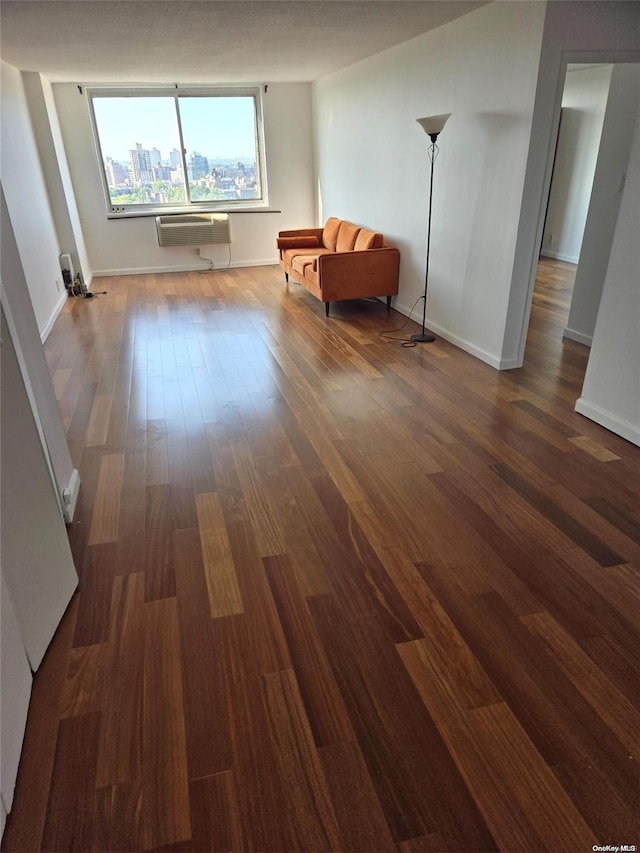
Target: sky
<point>213,126</point>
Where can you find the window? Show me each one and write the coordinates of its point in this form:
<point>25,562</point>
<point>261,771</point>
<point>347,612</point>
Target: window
<point>179,149</point>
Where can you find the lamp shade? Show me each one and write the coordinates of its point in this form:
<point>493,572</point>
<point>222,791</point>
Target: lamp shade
<point>432,125</point>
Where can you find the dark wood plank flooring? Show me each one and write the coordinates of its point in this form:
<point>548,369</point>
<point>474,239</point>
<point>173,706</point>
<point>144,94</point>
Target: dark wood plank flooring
<point>334,594</point>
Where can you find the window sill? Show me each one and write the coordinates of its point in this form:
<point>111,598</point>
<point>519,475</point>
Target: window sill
<point>163,211</point>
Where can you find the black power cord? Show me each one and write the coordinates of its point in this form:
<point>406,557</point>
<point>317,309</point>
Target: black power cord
<point>405,342</point>
<point>212,266</point>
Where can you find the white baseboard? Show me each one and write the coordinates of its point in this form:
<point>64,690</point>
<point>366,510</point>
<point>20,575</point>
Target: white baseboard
<point>572,335</point>
<point>608,420</point>
<point>44,333</point>
<point>454,339</point>
<point>199,268</point>
<point>559,256</point>
<point>509,363</point>
<point>70,496</point>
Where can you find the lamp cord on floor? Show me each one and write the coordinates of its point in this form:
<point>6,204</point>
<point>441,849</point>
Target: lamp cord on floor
<point>405,342</point>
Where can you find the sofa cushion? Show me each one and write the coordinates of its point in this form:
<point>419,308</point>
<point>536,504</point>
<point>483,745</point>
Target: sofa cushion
<point>302,242</point>
<point>289,254</point>
<point>311,274</point>
<point>347,237</point>
<point>302,261</point>
<point>316,255</point>
<point>368,240</point>
<point>330,233</point>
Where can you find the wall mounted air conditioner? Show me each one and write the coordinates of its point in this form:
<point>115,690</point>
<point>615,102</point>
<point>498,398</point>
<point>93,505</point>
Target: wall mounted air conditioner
<point>193,229</point>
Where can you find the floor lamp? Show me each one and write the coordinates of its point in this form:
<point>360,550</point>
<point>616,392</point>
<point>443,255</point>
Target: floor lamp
<point>432,126</point>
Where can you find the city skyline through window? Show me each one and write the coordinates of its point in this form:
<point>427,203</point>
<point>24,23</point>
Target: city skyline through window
<point>169,149</point>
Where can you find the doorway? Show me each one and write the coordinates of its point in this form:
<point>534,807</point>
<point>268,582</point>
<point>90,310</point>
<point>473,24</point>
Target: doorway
<point>592,154</point>
<point>584,102</point>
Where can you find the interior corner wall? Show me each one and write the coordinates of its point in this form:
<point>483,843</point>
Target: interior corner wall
<point>372,165</point>
<point>129,246</point>
<point>58,177</point>
<point>580,31</point>
<point>28,202</point>
<point>611,391</point>
<point>584,101</point>
<point>34,92</point>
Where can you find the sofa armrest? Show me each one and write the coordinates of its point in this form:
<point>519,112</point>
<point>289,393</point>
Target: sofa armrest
<point>355,275</point>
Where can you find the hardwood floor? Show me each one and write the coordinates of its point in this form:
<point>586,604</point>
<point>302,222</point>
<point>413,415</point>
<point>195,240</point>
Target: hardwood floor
<point>334,594</point>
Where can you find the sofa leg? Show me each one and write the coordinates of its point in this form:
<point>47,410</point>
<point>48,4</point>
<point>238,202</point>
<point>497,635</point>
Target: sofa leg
<point>286,277</point>
<point>388,303</point>
<point>326,308</point>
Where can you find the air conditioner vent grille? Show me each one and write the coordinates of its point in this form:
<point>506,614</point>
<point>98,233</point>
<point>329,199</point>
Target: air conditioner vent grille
<point>193,229</point>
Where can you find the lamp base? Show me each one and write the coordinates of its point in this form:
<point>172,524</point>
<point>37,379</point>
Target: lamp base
<point>423,338</point>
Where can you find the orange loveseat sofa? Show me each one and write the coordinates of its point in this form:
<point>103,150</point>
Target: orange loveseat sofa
<point>340,261</point>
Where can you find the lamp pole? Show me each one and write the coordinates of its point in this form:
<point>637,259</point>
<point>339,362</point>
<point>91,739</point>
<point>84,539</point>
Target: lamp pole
<point>432,126</point>
<point>427,337</point>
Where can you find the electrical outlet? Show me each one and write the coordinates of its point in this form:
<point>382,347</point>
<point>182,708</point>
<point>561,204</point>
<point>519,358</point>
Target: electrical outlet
<point>198,251</point>
<point>59,283</point>
<point>552,239</point>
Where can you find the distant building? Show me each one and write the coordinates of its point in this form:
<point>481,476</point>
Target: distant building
<point>175,159</point>
<point>198,166</point>
<point>155,157</point>
<point>116,173</point>
<point>140,160</point>
<point>161,173</point>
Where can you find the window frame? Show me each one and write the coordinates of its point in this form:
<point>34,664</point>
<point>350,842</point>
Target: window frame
<point>255,92</point>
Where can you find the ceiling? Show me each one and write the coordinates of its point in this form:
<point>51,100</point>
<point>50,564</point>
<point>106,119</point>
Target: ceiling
<point>209,41</point>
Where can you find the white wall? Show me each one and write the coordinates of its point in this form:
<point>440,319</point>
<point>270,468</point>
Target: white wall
<point>573,32</point>
<point>28,203</point>
<point>611,391</point>
<point>583,105</point>
<point>130,246</point>
<point>56,171</point>
<point>38,575</point>
<point>33,88</point>
<point>373,169</point>
<point>613,157</point>
<point>17,305</point>
<point>37,565</point>
<point>14,696</point>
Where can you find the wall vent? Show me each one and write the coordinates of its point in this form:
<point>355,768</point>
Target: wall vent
<point>193,229</point>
